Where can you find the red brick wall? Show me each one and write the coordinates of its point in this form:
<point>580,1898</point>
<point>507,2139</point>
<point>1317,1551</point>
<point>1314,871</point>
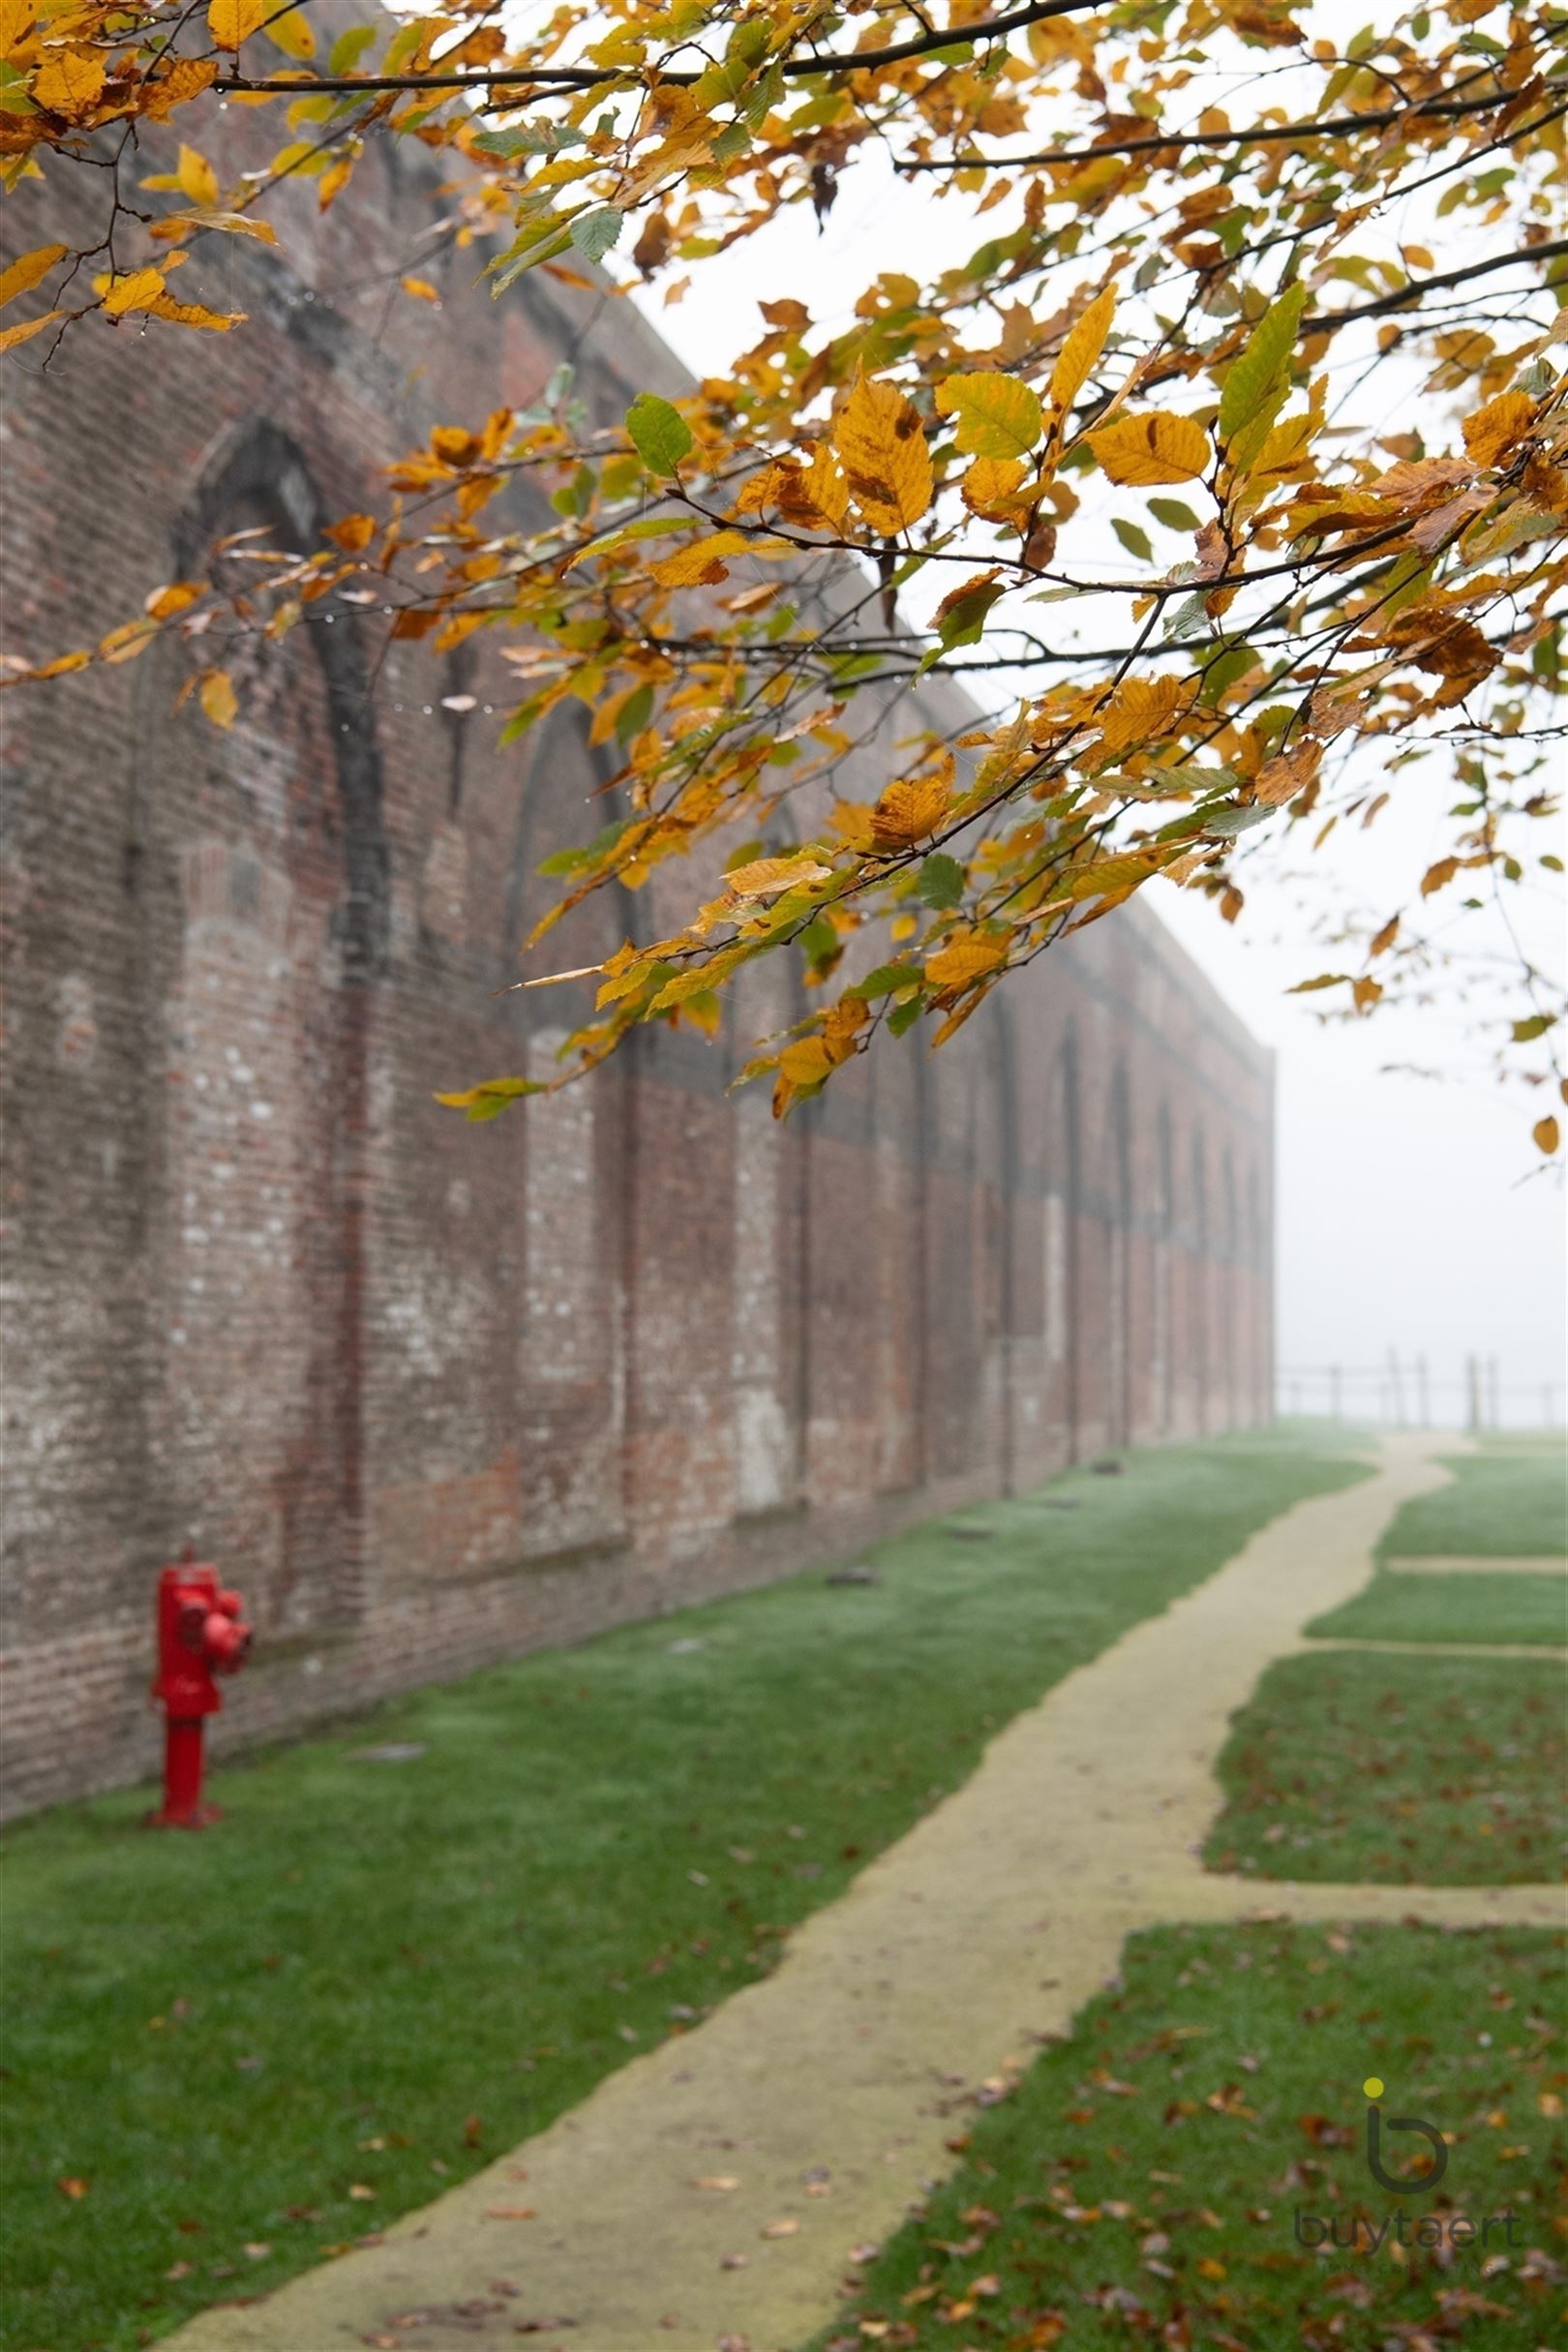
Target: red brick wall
<point>432,1392</point>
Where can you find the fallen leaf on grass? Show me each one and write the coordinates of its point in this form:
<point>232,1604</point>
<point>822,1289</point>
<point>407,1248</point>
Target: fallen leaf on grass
<point>780,2229</point>
<point>360,2194</point>
<point>72,2188</point>
<point>720,2182</point>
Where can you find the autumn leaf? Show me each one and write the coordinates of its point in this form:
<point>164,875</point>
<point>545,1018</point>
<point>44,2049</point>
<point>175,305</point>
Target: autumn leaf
<point>353,533</point>
<point>878,437</point>
<point>1081,349</point>
<point>769,877</point>
<point>70,83</point>
<point>964,960</point>
<point>217,697</point>
<point>231,21</point>
<point>137,290</point>
<point>1493,430</point>
<point>291,33</point>
<point>1288,773</point>
<point>196,177</point>
<point>908,811</point>
<point>1547,1135</point>
<point>702,561</point>
<point>1155,448</point>
<point>998,416</point>
<point>25,272</point>
<point>11,336</point>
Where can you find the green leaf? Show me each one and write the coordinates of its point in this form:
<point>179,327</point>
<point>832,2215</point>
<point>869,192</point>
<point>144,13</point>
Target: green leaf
<point>1173,513</point>
<point>1133,538</point>
<point>1535,1027</point>
<point>942,881</point>
<point>963,623</point>
<point>1259,370</point>
<point>998,416</point>
<point>491,1097</point>
<point>659,433</point>
<point>594,232</point>
<point>349,48</point>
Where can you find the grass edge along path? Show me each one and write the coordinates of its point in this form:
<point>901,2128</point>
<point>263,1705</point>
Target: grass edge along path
<point>1397,1769</point>
<point>231,2055</point>
<point>1186,2167</point>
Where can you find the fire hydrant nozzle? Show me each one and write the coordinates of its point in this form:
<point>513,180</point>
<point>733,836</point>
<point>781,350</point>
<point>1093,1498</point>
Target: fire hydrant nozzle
<point>201,1634</point>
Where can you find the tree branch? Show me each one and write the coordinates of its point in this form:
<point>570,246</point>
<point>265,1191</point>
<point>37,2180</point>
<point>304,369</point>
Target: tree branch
<point>1413,292</point>
<point>596,77</point>
<point>1260,135</point>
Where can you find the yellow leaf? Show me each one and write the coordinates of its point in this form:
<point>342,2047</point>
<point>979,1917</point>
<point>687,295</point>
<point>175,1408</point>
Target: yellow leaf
<point>228,224</point>
<point>990,486</point>
<point>165,602</point>
<point>216,694</point>
<point>1149,449</point>
<point>702,562</point>
<point>1496,428</point>
<point>291,34</point>
<point>137,290</point>
<point>421,289</point>
<point>231,21</point>
<point>10,337</point>
<point>908,811</point>
<point>1142,709</point>
<point>185,78</point>
<point>963,960</point>
<point>878,436</point>
<point>196,177</point>
<point>769,877</point>
<point>69,83</point>
<point>807,1062</point>
<point>353,534</point>
<point>1081,350</point>
<point>26,270</point>
<point>193,314</point>
<point>1546,1135</point>
<point>998,415</point>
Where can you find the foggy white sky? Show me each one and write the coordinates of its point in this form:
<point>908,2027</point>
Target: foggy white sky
<point>1412,1214</point>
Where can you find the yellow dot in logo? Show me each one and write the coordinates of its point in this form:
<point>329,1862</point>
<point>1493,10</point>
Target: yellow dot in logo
<point>1372,2085</point>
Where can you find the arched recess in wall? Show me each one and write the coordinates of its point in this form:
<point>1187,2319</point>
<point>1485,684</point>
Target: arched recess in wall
<point>771,1287</point>
<point>262,852</point>
<point>1119,1236</point>
<point>1199,1284</point>
<point>998,1017</point>
<point>575,1194</point>
<point>1229,1287</point>
<point>1164,1304</point>
<point>1064,1246</point>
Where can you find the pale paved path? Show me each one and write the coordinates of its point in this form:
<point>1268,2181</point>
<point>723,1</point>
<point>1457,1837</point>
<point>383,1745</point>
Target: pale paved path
<point>991,1923</point>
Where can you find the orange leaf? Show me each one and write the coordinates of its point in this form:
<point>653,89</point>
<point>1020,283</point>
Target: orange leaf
<point>1547,1135</point>
<point>908,810</point>
<point>1494,429</point>
<point>878,440</point>
<point>1149,449</point>
<point>231,21</point>
<point>70,83</point>
<point>10,337</point>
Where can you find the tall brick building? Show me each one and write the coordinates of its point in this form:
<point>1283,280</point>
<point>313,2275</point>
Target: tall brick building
<point>431,1393</point>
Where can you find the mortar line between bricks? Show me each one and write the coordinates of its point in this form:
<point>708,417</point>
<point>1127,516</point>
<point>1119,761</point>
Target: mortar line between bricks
<point>981,1931</point>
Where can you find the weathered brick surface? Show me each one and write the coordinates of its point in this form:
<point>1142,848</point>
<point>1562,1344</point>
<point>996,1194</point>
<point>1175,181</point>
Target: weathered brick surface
<point>433,1393</point>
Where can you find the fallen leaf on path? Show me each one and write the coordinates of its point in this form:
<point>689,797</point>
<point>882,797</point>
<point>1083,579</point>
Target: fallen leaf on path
<point>509,2212</point>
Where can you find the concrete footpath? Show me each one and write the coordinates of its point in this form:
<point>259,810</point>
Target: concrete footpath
<point>716,2187</point>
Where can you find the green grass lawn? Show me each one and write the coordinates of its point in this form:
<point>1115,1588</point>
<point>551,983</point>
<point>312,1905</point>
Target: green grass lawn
<point>241,2049</point>
<point>1506,1499</point>
<point>1487,1607</point>
<point>1448,1771</point>
<point>1142,2184</point>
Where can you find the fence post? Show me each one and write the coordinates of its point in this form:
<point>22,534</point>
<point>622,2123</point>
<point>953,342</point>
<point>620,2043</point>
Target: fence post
<point>1473,1388</point>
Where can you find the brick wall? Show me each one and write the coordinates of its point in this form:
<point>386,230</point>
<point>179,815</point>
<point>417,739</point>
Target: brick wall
<point>431,1393</point>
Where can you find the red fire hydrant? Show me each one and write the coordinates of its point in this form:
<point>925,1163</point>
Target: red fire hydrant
<point>201,1634</point>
